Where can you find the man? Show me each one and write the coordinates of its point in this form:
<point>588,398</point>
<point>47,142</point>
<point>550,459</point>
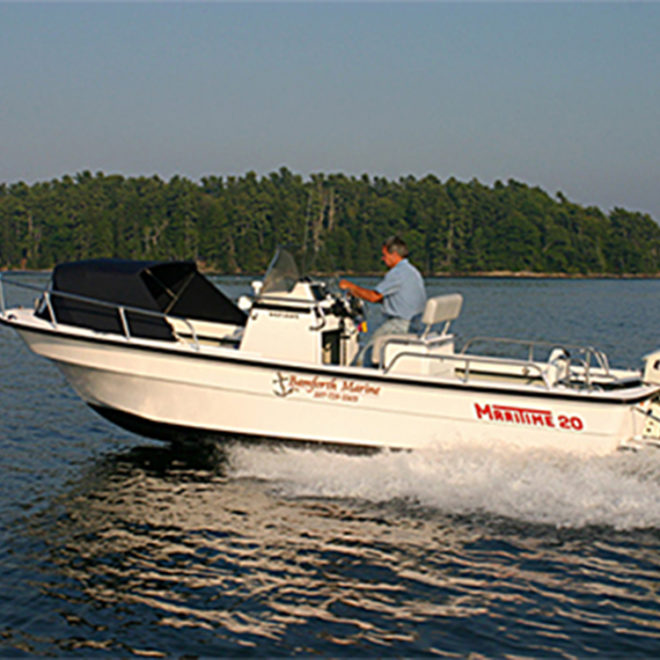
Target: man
<point>401,293</point>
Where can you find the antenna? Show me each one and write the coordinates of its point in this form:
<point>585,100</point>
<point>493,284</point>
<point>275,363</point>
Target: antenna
<point>305,233</point>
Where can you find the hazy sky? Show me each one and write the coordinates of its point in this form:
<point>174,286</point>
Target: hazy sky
<point>560,95</point>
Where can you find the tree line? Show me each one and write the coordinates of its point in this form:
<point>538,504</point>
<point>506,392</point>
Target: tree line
<point>233,224</point>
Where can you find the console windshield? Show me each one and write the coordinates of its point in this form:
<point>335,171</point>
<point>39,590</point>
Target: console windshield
<point>282,273</point>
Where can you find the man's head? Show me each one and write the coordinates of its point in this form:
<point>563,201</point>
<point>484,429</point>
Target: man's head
<point>394,250</point>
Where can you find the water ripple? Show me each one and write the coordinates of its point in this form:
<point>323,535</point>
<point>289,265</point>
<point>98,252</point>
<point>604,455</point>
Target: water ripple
<point>156,543</point>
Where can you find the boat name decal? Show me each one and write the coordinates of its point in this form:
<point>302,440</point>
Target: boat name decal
<point>283,315</point>
<point>334,389</point>
<point>527,417</point>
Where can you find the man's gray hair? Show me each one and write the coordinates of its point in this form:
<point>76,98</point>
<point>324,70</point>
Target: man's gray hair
<point>396,244</point>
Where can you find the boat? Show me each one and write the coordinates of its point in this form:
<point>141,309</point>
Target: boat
<point>158,349</point>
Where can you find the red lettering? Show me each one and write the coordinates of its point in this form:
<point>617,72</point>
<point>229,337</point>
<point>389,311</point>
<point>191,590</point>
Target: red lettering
<point>570,423</point>
<point>527,416</point>
<point>483,412</point>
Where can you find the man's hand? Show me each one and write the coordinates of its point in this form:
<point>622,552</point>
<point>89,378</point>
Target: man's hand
<point>366,294</point>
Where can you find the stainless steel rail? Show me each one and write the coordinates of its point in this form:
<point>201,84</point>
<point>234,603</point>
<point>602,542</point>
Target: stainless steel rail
<point>598,355</point>
<point>468,360</point>
<point>121,310</point>
<point>580,374</point>
<point>589,353</point>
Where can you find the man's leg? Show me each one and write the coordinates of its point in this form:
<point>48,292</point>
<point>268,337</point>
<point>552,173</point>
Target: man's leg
<point>389,327</point>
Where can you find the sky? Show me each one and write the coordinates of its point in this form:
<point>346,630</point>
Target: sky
<point>564,96</point>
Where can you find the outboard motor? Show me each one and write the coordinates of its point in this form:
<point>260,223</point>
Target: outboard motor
<point>652,368</point>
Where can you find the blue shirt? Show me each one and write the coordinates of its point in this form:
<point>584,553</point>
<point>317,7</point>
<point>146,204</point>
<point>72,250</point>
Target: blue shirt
<point>403,291</point>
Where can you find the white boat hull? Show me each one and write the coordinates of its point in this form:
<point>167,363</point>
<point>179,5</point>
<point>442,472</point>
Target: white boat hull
<point>169,390</point>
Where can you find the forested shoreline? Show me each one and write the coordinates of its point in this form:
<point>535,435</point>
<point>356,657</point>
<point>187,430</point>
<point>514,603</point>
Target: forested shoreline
<point>232,224</point>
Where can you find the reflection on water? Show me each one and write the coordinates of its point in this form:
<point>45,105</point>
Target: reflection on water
<point>298,550</point>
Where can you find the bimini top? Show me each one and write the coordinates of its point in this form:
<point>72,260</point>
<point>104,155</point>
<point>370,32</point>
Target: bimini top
<point>175,288</point>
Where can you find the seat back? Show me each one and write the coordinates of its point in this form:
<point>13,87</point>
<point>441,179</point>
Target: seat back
<point>437,310</point>
<point>441,309</point>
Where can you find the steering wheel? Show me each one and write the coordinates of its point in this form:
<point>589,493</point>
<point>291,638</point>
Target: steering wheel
<point>355,305</point>
<point>352,305</point>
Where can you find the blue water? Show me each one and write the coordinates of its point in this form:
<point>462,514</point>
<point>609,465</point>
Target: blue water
<point>114,545</point>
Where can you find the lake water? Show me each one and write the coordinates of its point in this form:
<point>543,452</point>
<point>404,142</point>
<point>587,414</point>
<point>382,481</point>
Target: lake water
<point>115,545</point>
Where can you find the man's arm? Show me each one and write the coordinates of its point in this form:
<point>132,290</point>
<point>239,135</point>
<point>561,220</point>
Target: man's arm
<point>366,294</point>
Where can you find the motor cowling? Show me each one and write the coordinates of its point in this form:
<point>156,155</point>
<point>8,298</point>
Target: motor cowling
<point>652,368</point>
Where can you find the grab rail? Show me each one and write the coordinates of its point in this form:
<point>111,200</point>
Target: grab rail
<point>468,359</point>
<point>121,310</point>
<point>588,352</point>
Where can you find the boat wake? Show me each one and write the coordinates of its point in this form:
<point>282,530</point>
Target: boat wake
<point>621,491</point>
